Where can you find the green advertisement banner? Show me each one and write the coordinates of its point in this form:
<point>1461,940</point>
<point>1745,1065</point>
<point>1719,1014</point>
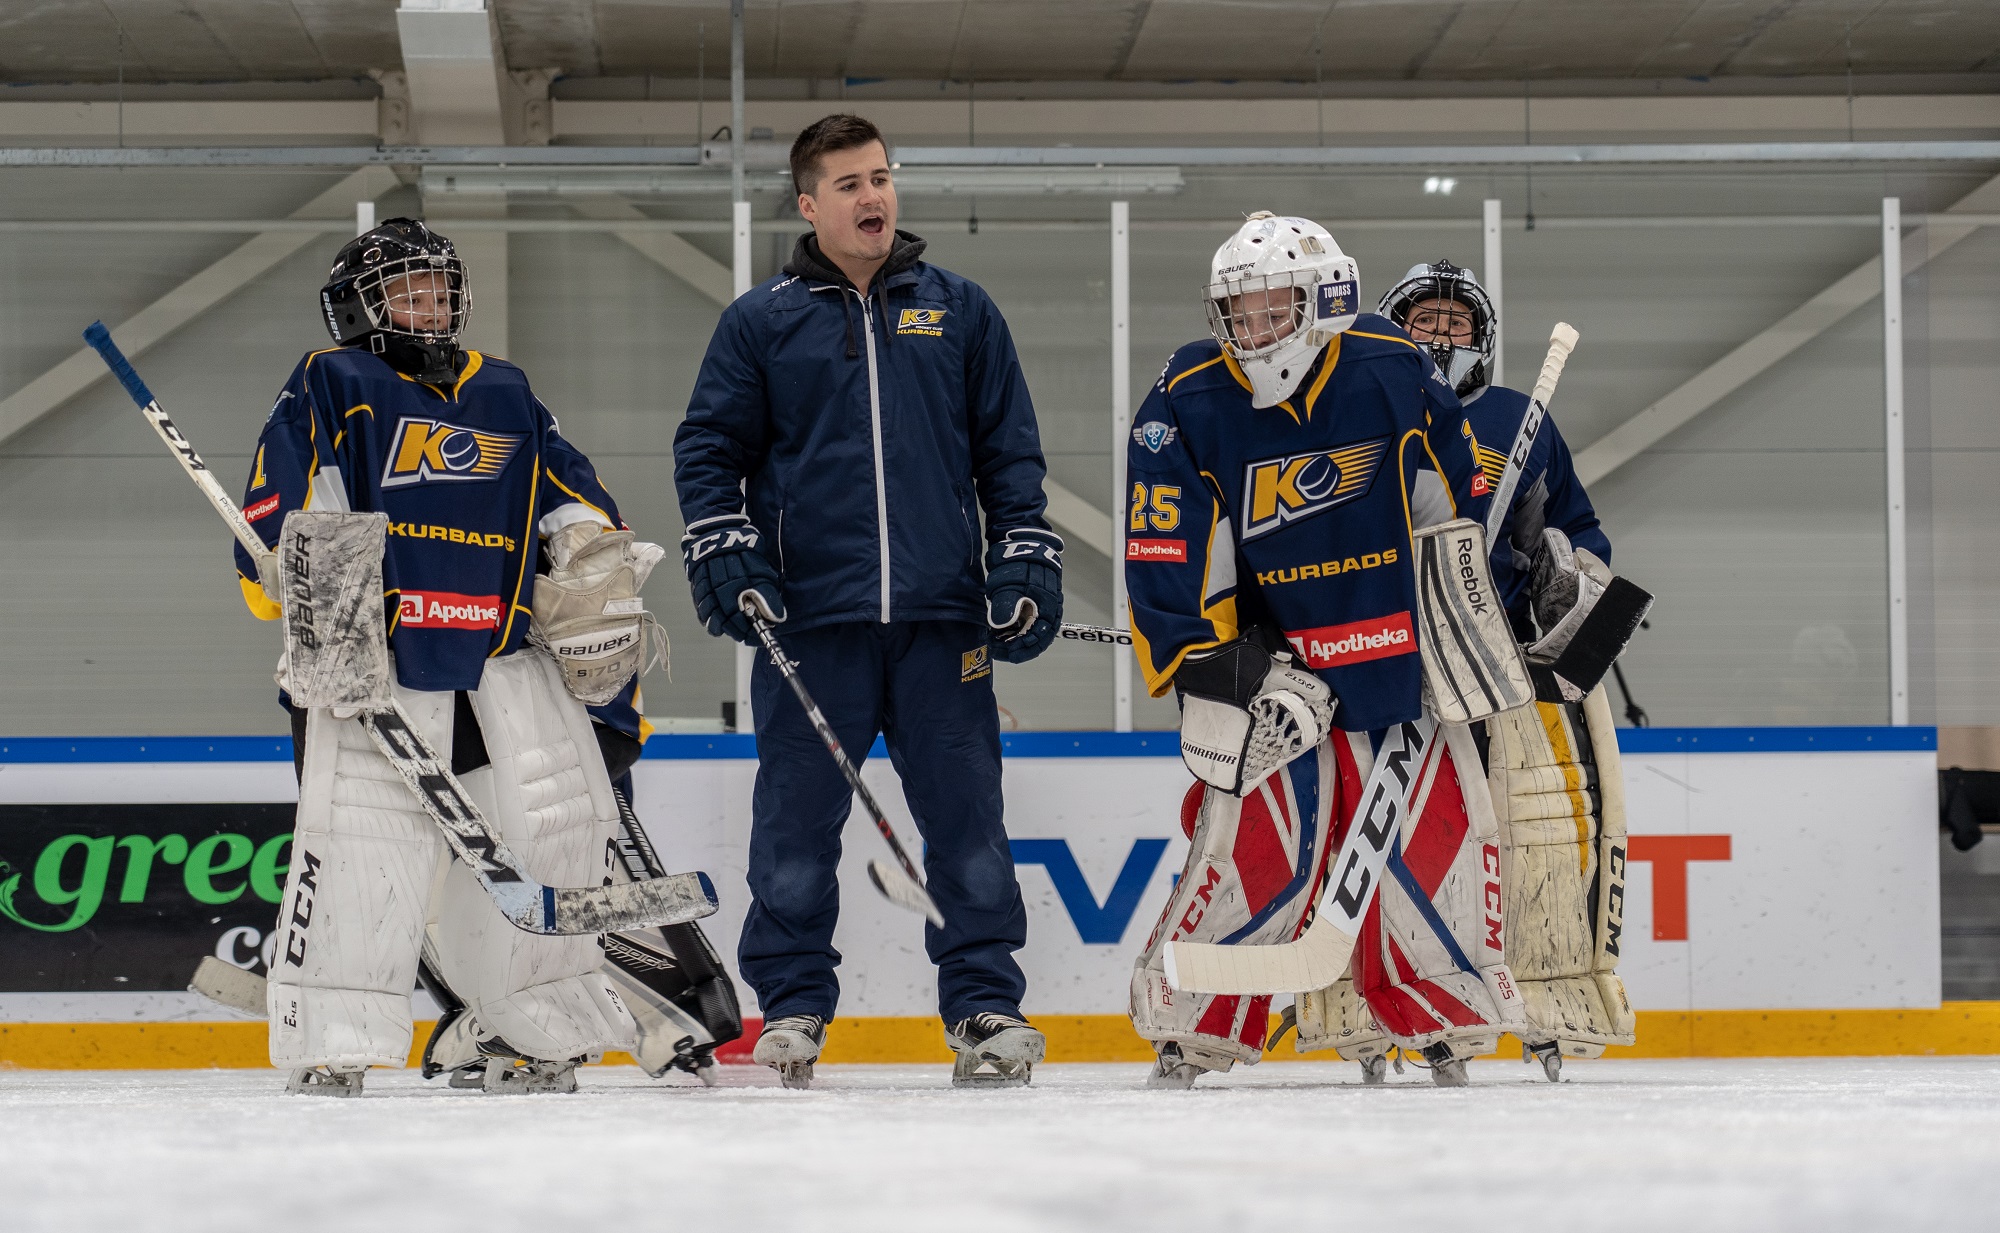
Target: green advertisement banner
<point>129,898</point>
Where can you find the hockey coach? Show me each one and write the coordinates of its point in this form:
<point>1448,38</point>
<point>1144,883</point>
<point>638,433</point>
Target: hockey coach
<point>857,420</point>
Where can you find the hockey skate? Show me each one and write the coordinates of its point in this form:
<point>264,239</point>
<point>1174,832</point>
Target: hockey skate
<point>994,1050</point>
<point>326,1081</point>
<point>1447,1070</point>
<point>515,1076</point>
<point>790,1045</point>
<point>1177,1066</point>
<point>1549,1055</point>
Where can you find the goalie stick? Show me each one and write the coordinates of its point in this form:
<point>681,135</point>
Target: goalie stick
<point>527,904</point>
<point>903,887</point>
<point>1319,957</point>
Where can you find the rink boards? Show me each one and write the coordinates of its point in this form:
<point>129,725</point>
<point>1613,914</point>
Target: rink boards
<point>1782,893</point>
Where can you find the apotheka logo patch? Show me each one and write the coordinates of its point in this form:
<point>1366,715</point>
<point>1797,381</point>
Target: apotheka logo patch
<point>447,610</point>
<point>425,450</point>
<point>1277,491</point>
<point>1333,646</point>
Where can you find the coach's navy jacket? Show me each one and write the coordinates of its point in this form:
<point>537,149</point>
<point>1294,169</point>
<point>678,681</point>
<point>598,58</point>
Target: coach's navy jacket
<point>866,426</point>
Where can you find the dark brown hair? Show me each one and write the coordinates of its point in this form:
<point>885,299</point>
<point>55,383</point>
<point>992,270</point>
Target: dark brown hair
<point>823,137</point>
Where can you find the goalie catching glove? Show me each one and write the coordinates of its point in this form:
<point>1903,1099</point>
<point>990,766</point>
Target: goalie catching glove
<point>1246,711</point>
<point>588,613</point>
<point>1587,617</point>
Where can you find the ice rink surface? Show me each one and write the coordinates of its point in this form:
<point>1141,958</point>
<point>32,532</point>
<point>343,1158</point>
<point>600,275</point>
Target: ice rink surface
<point>1819,1144</point>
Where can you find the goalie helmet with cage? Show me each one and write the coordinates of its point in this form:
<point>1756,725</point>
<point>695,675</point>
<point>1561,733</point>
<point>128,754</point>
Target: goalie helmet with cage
<point>1278,291</point>
<point>1447,303</point>
<point>400,291</point>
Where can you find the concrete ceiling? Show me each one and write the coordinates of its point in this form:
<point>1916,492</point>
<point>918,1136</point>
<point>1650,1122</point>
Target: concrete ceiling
<point>50,41</point>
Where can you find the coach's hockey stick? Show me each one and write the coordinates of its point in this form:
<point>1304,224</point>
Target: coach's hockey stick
<point>903,887</point>
<point>1320,956</point>
<point>1562,340</point>
<point>526,903</point>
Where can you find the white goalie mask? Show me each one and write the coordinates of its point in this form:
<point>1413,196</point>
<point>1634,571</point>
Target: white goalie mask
<point>1457,305</point>
<point>1278,291</point>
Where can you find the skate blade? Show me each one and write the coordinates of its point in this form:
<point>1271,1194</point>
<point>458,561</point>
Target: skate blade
<point>984,1072</point>
<point>1176,1079</point>
<point>795,1075</point>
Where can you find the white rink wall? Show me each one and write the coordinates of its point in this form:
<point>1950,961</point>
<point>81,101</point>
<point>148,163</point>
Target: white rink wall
<point>1771,868</point>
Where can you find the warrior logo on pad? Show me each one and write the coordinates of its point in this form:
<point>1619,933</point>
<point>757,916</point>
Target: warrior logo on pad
<point>1277,491</point>
<point>1335,646</point>
<point>424,450</point>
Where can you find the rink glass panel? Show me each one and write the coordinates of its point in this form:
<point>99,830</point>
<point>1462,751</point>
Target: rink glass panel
<point>1759,524</point>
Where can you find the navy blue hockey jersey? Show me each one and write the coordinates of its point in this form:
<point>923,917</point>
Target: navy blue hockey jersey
<point>471,476</point>
<point>1547,495</point>
<point>1299,515</point>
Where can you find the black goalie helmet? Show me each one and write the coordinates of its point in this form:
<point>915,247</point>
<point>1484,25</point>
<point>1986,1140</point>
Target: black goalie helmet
<point>1456,316</point>
<point>400,291</point>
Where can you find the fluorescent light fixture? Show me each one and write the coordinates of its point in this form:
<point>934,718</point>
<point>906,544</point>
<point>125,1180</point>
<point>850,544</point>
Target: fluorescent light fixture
<point>443,183</point>
<point>1440,186</point>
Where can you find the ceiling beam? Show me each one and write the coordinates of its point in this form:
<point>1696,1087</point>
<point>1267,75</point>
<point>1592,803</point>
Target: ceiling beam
<point>665,249</point>
<point>158,320</point>
<point>1757,355</point>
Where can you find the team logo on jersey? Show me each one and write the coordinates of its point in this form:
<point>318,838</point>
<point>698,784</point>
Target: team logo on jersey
<point>1154,435</point>
<point>974,664</point>
<point>1282,490</point>
<point>424,450</point>
<point>447,610</point>
<point>927,321</point>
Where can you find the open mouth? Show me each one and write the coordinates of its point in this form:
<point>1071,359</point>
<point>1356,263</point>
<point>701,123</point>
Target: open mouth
<point>872,225</point>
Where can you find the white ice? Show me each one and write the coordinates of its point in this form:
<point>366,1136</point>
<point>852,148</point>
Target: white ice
<point>1706,1146</point>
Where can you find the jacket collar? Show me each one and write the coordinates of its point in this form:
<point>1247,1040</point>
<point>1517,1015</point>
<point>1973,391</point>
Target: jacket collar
<point>809,262</point>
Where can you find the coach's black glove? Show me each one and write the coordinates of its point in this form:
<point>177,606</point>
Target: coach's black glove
<point>724,558</point>
<point>1023,593</point>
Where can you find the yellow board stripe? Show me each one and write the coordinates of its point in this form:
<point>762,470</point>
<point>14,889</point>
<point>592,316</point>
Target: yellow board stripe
<point>1953,1029</point>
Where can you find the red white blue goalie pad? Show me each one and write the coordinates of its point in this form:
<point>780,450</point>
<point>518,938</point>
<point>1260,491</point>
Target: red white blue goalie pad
<point>1430,960</point>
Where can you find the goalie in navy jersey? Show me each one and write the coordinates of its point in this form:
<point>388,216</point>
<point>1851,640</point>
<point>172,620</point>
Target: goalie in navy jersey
<point>511,605</point>
<point>1280,477</point>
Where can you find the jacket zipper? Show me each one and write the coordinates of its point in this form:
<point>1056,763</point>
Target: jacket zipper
<point>881,478</point>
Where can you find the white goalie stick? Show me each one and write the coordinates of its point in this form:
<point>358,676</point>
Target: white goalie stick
<point>1562,340</point>
<point>903,887</point>
<point>526,903</point>
<point>1320,956</point>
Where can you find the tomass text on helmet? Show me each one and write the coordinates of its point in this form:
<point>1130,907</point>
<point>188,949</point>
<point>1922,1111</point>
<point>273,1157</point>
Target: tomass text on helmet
<point>400,291</point>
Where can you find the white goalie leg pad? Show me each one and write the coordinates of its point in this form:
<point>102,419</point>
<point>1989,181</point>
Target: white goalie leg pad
<point>547,793</point>
<point>351,921</point>
<point>1431,957</point>
<point>1558,789</point>
<point>1250,877</point>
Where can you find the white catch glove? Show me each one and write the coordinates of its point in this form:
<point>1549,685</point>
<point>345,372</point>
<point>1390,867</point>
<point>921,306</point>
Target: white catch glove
<point>588,613</point>
<point>1246,712</point>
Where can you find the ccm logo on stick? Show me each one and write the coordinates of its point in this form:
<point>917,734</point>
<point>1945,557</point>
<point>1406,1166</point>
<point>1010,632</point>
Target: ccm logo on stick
<point>1332,646</point>
<point>1156,550</point>
<point>445,610</point>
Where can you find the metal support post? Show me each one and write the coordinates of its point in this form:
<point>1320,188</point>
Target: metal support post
<point>1892,432</point>
<point>1121,433</point>
<point>364,216</point>
<point>739,212</point>
<point>1490,276</point>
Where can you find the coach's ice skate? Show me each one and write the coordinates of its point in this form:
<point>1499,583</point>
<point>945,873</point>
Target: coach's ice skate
<point>790,1046</point>
<point>326,1081</point>
<point>994,1050</point>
